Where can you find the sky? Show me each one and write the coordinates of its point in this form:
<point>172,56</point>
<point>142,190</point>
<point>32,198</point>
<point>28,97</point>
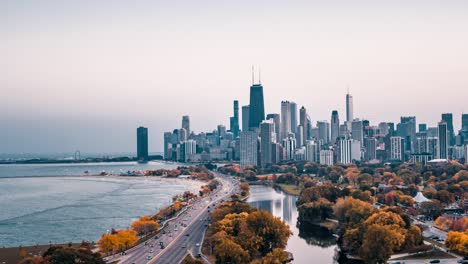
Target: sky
<point>83,75</point>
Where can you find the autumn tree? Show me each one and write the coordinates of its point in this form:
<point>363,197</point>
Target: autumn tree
<point>458,242</point>
<point>350,211</point>
<point>273,232</point>
<point>277,256</point>
<point>227,251</point>
<point>379,243</point>
<point>145,225</point>
<point>107,243</point>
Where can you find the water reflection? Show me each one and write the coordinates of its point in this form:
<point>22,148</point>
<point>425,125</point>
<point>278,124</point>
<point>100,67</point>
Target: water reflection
<point>308,245</point>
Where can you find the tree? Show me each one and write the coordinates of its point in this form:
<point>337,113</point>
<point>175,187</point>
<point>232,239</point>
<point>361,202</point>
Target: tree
<point>273,232</point>
<point>227,251</point>
<point>379,243</point>
<point>107,243</point>
<point>145,225</point>
<point>458,242</point>
<point>245,188</point>
<point>315,211</point>
<point>277,256</point>
<point>350,211</point>
<point>126,238</point>
<point>22,253</point>
<point>432,209</point>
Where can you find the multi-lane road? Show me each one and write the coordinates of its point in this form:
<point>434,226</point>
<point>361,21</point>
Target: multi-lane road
<point>184,234</point>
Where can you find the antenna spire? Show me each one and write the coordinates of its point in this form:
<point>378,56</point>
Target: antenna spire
<point>253,75</point>
<point>259,76</point>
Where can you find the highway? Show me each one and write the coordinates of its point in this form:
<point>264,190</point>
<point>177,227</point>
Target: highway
<point>177,239</point>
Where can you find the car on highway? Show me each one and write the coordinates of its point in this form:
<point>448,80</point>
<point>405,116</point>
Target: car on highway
<point>434,261</point>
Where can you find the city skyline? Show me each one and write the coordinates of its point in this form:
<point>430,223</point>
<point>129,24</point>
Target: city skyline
<point>85,75</point>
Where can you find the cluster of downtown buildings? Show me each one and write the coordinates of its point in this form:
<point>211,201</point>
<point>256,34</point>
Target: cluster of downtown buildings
<point>271,138</point>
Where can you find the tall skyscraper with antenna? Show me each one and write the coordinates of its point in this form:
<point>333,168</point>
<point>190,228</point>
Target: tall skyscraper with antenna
<point>257,108</point>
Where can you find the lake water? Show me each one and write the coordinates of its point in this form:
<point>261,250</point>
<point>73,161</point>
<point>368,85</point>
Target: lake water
<point>37,209</point>
<point>311,246</point>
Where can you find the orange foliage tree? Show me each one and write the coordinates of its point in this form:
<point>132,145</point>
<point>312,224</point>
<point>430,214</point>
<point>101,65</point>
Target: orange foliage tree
<point>145,225</point>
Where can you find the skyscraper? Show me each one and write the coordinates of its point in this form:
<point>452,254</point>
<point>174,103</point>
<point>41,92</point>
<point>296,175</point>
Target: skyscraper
<point>443,140</point>
<point>448,118</point>
<point>349,107</point>
<point>344,150</point>
<point>186,124</point>
<point>167,145</point>
<point>245,117</point>
<point>407,130</point>
<point>234,120</point>
<point>248,148</point>
<point>142,143</point>
<point>313,148</point>
<point>293,108</point>
<point>335,126</point>
<point>397,151</point>
<point>326,157</point>
<point>276,120</point>
<point>267,138</point>
<point>370,145</point>
<point>323,131</point>
<point>285,119</point>
<point>303,123</point>
<point>257,108</point>
<point>183,135</point>
<point>221,131</point>
<point>357,131</point>
<point>422,127</point>
<point>289,144</point>
<point>465,122</point>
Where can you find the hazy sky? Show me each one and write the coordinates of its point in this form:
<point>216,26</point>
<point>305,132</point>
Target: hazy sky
<point>84,74</point>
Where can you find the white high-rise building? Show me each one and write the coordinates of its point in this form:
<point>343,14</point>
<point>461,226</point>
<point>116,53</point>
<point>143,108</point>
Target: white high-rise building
<point>289,145</point>
<point>397,148</point>
<point>190,148</point>
<point>312,150</point>
<point>356,153</point>
<point>248,148</point>
<point>285,119</point>
<point>344,151</point>
<point>299,136</point>
<point>267,138</point>
<point>326,157</point>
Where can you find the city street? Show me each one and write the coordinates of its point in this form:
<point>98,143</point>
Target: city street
<point>178,240</point>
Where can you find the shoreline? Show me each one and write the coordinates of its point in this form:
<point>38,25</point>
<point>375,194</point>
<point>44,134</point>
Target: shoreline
<point>188,184</point>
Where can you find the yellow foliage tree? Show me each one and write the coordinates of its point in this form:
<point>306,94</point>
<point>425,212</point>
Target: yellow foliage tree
<point>177,205</point>
<point>458,242</point>
<point>107,243</point>
<point>145,225</point>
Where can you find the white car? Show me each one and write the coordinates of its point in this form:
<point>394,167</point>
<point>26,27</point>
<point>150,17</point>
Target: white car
<point>197,244</point>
